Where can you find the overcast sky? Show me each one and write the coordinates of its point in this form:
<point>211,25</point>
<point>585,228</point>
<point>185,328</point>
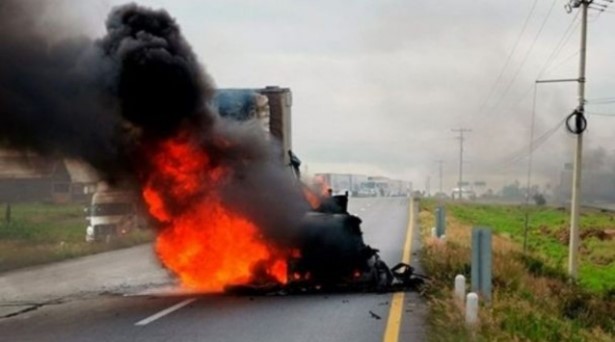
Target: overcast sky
<point>378,85</point>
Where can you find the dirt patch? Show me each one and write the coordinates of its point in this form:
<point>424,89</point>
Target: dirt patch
<point>597,233</point>
<point>562,234</point>
<point>602,260</point>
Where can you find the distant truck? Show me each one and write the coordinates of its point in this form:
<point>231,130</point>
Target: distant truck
<point>463,193</point>
<point>111,214</point>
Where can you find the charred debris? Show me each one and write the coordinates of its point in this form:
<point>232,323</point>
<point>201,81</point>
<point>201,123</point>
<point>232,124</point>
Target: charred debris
<point>333,258</point>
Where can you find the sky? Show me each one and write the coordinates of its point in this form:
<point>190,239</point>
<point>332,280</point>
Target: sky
<point>378,86</point>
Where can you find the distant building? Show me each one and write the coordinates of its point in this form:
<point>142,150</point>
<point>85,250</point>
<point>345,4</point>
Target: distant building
<point>27,177</point>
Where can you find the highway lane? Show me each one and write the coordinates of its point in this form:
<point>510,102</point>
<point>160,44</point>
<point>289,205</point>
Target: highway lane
<point>342,317</point>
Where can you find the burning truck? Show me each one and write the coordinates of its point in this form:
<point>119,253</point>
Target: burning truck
<point>223,194</point>
<point>330,252</point>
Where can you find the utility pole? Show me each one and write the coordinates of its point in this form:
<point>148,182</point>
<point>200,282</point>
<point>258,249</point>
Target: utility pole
<point>578,154</point>
<point>440,163</point>
<point>461,138</point>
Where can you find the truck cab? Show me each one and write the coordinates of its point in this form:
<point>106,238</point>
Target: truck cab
<point>112,213</point>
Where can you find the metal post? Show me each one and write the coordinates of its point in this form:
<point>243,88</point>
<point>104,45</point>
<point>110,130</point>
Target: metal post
<point>576,175</point>
<point>440,221</point>
<point>486,260</point>
<point>481,262</point>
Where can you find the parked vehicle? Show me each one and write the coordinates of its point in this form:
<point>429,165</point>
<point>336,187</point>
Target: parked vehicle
<point>112,213</point>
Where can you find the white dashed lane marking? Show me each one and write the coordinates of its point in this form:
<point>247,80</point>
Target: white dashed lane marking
<point>165,312</point>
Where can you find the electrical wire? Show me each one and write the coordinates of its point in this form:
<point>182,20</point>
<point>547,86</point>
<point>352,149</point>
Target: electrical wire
<point>534,145</point>
<point>554,53</point>
<point>560,44</point>
<point>525,58</point>
<point>563,61</point>
<point>509,58</point>
<point>603,100</point>
<point>601,114</point>
<point>609,98</point>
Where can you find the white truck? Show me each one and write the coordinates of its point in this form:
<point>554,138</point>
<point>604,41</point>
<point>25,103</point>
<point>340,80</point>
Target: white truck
<point>112,213</point>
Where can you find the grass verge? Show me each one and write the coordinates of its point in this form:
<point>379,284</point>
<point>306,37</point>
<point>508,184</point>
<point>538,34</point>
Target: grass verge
<point>548,236</point>
<point>43,233</point>
<point>532,300</point>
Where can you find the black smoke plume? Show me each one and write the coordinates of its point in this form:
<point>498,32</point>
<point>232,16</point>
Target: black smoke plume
<point>97,100</point>
<point>105,101</point>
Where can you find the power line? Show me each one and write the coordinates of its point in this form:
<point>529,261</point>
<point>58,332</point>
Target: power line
<point>601,101</point>
<point>560,44</point>
<point>554,53</point>
<point>525,58</point>
<point>533,146</point>
<point>562,61</point>
<point>601,114</point>
<point>509,58</point>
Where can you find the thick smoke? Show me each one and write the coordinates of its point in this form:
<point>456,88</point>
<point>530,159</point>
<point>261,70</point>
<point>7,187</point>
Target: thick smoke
<point>157,79</point>
<point>97,100</point>
<point>110,101</point>
<point>106,101</point>
<point>50,96</point>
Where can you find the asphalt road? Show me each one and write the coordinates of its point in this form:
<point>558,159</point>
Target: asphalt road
<point>102,303</point>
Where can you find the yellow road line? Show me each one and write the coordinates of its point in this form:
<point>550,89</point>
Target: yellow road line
<point>391,333</point>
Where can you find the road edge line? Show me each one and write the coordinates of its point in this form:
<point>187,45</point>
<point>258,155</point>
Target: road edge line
<point>391,332</point>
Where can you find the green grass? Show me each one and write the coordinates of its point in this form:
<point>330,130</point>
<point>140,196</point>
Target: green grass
<point>41,233</point>
<point>548,236</point>
<point>532,298</point>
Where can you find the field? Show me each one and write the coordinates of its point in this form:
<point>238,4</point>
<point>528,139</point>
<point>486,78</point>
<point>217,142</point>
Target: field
<point>548,236</point>
<point>43,233</point>
<point>532,297</point>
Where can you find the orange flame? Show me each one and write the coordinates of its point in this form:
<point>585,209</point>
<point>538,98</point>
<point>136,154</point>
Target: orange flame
<point>322,185</point>
<point>206,244</point>
<point>311,197</point>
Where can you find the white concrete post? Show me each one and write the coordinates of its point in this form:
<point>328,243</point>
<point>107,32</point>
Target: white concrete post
<point>460,288</point>
<point>434,232</point>
<point>471,308</point>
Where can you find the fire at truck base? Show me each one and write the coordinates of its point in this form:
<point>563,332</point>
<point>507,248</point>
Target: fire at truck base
<point>333,258</point>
